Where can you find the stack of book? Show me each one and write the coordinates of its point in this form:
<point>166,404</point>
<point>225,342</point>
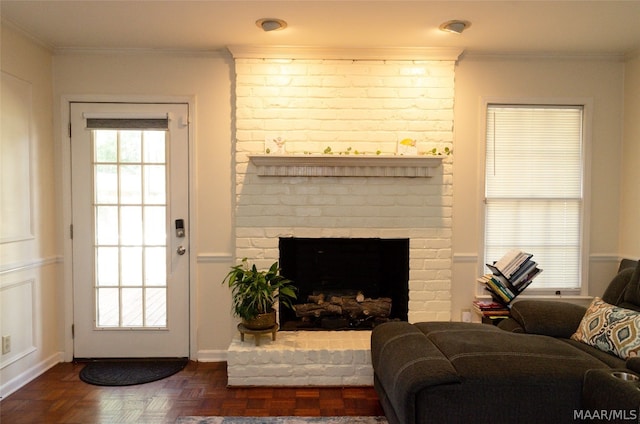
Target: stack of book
<point>490,309</point>
<point>510,276</point>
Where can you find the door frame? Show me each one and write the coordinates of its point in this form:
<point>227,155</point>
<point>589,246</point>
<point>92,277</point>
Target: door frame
<point>65,159</point>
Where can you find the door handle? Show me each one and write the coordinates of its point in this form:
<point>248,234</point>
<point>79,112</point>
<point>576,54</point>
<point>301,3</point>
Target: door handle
<point>181,250</point>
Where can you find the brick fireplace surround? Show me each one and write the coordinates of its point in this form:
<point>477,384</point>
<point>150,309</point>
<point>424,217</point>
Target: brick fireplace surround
<point>347,100</point>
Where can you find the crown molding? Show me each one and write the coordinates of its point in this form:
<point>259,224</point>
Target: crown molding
<point>555,56</point>
<point>315,52</point>
<point>26,34</point>
<point>90,51</point>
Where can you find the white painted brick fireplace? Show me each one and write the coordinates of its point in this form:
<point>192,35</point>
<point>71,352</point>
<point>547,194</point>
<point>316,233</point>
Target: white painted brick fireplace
<point>347,101</point>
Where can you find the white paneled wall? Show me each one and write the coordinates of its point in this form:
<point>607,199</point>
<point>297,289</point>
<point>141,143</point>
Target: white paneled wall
<point>366,106</point>
<point>30,261</point>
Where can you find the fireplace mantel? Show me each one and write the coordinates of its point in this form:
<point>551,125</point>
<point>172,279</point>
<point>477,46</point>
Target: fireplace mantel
<point>345,165</point>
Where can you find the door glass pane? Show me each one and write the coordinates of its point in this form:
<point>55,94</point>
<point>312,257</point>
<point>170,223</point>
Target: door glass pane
<point>131,228</point>
<point>154,184</point>
<point>132,307</point>
<point>108,307</point>
<point>156,304</point>
<point>131,184</point>
<point>131,271</point>
<point>154,225</point>
<point>106,184</point>
<point>154,146</point>
<point>107,225</point>
<point>155,266</point>
<point>106,146</point>
<point>107,264</point>
<point>131,225</point>
<point>130,146</point>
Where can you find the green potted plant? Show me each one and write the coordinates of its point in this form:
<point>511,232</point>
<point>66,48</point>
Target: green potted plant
<point>254,293</point>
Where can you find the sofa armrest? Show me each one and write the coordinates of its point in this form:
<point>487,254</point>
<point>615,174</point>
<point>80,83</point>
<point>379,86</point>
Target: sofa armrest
<point>603,391</point>
<point>634,364</point>
<point>510,325</point>
<point>549,318</point>
<point>405,361</point>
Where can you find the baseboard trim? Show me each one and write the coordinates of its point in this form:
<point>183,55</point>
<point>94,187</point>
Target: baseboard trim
<point>30,374</point>
<point>212,356</point>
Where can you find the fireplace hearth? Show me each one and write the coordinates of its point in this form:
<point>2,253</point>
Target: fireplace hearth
<point>345,283</point>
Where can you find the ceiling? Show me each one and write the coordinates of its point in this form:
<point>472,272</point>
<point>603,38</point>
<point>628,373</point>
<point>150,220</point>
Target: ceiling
<point>571,27</point>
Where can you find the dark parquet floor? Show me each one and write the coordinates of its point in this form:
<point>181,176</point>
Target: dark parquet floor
<point>59,396</point>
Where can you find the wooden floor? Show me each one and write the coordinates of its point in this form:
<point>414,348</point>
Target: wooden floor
<point>59,396</point>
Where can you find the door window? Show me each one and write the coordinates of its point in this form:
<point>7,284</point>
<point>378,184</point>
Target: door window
<point>130,225</point>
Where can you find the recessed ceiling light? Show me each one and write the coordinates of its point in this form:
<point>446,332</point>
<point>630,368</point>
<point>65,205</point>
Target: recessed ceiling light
<point>271,24</point>
<point>456,26</point>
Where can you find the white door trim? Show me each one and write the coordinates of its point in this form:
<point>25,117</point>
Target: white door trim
<point>64,146</point>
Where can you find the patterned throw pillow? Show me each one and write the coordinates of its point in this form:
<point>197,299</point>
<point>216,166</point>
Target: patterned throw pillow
<point>611,329</point>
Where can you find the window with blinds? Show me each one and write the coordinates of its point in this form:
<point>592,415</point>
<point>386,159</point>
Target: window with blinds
<point>534,189</point>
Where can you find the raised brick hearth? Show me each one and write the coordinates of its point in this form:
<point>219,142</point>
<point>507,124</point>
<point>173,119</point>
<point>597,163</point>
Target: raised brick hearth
<point>302,358</point>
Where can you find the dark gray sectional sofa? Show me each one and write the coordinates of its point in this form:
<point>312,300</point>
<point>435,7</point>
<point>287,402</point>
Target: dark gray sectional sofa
<point>527,371</point>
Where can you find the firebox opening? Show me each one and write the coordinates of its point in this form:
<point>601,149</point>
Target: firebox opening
<point>345,283</point>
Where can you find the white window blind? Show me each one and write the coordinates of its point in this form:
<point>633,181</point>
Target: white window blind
<point>534,189</point>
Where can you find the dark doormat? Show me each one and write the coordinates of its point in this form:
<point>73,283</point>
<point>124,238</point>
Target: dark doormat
<point>127,372</point>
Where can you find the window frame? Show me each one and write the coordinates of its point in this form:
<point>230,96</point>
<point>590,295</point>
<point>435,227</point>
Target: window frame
<point>587,105</point>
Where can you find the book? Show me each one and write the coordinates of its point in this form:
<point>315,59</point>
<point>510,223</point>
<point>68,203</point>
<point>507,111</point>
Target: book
<point>510,275</point>
<point>511,262</point>
<point>525,283</point>
<point>523,271</point>
<point>494,288</point>
<point>527,278</point>
<point>504,285</point>
<point>490,308</point>
<point>487,304</point>
<point>508,257</point>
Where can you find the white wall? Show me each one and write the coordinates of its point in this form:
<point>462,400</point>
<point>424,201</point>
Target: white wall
<point>207,78</point>
<point>630,204</point>
<point>597,79</point>
<point>30,303</point>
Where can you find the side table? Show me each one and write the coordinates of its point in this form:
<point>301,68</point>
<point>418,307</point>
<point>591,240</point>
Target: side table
<point>257,333</point>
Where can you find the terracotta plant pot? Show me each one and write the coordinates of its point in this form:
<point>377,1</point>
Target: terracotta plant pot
<point>261,322</point>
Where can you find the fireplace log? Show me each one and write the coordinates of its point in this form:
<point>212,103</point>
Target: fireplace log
<point>346,305</point>
<point>369,307</point>
<point>318,299</point>
<point>315,310</point>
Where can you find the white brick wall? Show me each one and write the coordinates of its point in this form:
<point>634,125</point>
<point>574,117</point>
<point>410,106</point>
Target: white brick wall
<point>366,106</point>
<point>300,358</point>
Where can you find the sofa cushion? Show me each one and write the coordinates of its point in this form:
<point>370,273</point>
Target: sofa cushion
<point>632,292</point>
<point>405,362</point>
<point>611,329</point>
<point>612,361</point>
<point>476,350</point>
<point>615,292</point>
<point>506,377</point>
<point>548,318</point>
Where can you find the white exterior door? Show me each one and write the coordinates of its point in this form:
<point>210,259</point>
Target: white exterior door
<point>130,201</point>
